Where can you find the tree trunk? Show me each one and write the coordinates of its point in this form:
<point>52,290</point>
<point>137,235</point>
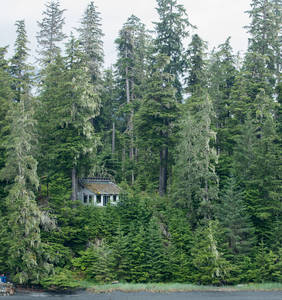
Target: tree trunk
<point>123,163</point>
<point>130,130</point>
<point>131,150</point>
<point>163,171</point>
<point>113,138</point>
<point>74,184</point>
<point>130,122</point>
<point>127,86</point>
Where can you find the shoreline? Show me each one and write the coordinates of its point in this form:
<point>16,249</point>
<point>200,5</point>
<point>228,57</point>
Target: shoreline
<point>177,287</point>
<point>153,288</point>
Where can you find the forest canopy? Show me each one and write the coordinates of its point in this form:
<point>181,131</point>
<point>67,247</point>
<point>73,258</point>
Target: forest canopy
<point>192,137</point>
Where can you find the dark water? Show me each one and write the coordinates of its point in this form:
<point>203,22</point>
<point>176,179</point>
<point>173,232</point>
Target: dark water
<point>153,296</point>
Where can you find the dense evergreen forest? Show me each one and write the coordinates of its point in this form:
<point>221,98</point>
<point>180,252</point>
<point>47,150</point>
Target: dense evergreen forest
<point>193,138</point>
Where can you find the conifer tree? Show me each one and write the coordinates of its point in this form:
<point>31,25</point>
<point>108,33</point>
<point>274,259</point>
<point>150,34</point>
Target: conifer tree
<point>208,262</point>
<point>156,258</point>
<point>197,73</point>
<point>20,70</point>
<point>235,220</point>
<point>131,44</point>
<point>108,126</point>
<point>222,74</point>
<point>120,262</point>
<point>195,181</point>
<point>90,34</point>
<point>171,30</point>
<point>263,60</point>
<point>156,116</point>
<point>6,97</point>
<point>71,103</point>
<point>95,262</point>
<point>266,265</point>
<point>131,67</point>
<point>5,100</point>
<point>180,236</point>
<point>50,96</point>
<point>51,32</point>
<point>137,258</point>
<point>81,108</point>
<point>24,217</point>
<point>257,166</point>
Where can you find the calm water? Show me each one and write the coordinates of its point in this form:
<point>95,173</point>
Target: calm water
<point>153,296</point>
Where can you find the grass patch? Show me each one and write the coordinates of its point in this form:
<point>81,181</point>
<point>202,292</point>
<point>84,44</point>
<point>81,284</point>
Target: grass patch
<point>176,287</point>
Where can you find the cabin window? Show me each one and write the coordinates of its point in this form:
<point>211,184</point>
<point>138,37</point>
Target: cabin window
<point>106,199</point>
<point>98,198</point>
<point>90,198</point>
<point>114,198</point>
<point>85,198</point>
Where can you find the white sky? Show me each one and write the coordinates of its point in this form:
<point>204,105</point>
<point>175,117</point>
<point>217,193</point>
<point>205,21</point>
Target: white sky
<point>215,19</point>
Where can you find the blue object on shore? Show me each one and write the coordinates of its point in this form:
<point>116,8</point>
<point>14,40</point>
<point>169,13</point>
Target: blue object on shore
<point>3,279</point>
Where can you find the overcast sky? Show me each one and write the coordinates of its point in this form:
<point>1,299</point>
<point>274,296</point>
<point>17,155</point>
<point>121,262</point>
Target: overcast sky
<point>215,19</point>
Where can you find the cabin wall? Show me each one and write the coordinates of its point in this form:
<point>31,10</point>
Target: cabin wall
<point>89,198</point>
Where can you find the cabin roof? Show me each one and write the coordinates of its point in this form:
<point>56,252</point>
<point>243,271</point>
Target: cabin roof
<point>100,186</point>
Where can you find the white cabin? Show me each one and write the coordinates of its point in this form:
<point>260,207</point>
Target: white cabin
<point>98,191</point>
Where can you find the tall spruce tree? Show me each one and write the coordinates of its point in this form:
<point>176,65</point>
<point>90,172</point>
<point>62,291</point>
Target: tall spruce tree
<point>90,34</point>
<point>131,68</point>
<point>108,125</point>
<point>5,100</point>
<point>82,107</point>
<point>156,117</point>
<point>24,218</point>
<point>263,61</point>
<point>51,94</point>
<point>71,103</point>
<point>196,80</point>
<point>171,30</point>
<point>195,181</point>
<point>51,32</point>
<point>222,74</point>
<point>131,64</point>
<point>20,70</point>
<point>257,166</point>
<point>6,97</point>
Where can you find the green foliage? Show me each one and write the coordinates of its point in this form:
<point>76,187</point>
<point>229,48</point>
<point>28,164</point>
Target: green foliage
<point>233,216</point>
<point>208,262</point>
<point>267,265</point>
<point>50,34</point>
<point>263,59</point>
<point>222,78</point>
<point>23,215</point>
<point>195,181</point>
<point>179,247</point>
<point>61,279</point>
<point>24,219</point>
<point>132,45</point>
<point>20,70</point>
<point>197,73</point>
<point>257,166</point>
<point>91,38</point>
<point>155,120</point>
<point>217,154</point>
<point>172,29</point>
<point>94,262</point>
<point>68,104</point>
<point>5,99</point>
